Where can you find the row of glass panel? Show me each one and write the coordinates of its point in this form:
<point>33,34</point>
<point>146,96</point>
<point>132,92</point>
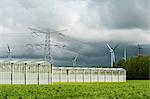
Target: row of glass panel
<point>33,73</point>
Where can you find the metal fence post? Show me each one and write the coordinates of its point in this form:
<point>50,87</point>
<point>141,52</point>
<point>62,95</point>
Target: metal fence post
<point>118,75</point>
<point>25,73</point>
<point>75,75</point>
<point>67,75</point>
<point>51,74</point>
<point>97,75</point>
<point>125,76</point>
<point>48,68</point>
<point>90,75</point>
<point>11,73</point>
<point>38,78</point>
<point>111,75</point>
<point>83,74</point>
<point>104,75</point>
<point>59,75</point>
<point>100,75</point>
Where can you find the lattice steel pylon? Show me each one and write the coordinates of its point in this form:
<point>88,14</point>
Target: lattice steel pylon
<point>140,48</point>
<point>47,48</point>
<point>47,43</point>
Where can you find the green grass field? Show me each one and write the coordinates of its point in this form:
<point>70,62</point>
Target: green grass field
<point>131,89</point>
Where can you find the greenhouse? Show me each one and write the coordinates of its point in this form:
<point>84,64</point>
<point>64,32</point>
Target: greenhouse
<point>25,72</point>
<point>41,72</point>
<point>76,74</point>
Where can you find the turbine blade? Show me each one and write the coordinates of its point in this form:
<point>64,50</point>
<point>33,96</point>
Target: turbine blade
<point>76,58</point>
<point>111,50</point>
<point>116,46</point>
<point>8,48</point>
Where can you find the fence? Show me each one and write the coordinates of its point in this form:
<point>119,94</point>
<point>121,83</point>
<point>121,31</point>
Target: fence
<point>28,72</point>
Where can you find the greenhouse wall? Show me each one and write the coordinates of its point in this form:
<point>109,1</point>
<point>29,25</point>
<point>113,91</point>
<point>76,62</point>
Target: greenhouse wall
<point>72,74</point>
<point>28,72</point>
<point>25,72</point>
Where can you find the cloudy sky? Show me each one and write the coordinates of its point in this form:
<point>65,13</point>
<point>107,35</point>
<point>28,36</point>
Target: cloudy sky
<point>90,24</point>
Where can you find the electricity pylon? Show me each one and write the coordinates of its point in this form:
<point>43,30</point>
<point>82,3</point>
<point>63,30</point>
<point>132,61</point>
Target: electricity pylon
<point>47,42</point>
<point>140,48</point>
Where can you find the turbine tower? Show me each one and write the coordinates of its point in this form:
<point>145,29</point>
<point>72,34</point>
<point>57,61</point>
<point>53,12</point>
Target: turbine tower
<point>125,54</point>
<point>112,54</point>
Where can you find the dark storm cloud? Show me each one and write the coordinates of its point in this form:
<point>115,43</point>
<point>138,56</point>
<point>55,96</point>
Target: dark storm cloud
<point>122,14</point>
<point>90,25</point>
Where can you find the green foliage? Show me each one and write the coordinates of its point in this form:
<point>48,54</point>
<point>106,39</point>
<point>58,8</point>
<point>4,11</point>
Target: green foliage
<point>128,90</point>
<point>137,67</point>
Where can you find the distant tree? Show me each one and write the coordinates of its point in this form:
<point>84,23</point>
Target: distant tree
<point>120,63</point>
<point>138,67</point>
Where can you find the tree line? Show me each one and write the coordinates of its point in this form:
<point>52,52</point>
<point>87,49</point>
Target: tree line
<point>137,67</point>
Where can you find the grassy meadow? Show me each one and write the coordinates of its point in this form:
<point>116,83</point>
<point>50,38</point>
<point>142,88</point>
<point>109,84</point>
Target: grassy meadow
<point>132,89</point>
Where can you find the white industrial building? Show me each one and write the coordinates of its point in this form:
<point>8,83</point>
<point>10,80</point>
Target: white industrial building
<point>41,72</point>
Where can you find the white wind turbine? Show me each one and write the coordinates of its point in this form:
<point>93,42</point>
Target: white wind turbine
<point>9,52</point>
<point>74,62</point>
<point>112,54</point>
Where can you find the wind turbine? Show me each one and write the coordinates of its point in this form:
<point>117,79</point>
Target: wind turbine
<point>9,52</point>
<point>74,63</point>
<point>112,54</point>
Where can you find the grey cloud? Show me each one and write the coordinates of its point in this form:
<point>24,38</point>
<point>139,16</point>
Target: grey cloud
<point>90,24</point>
<point>122,14</point>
